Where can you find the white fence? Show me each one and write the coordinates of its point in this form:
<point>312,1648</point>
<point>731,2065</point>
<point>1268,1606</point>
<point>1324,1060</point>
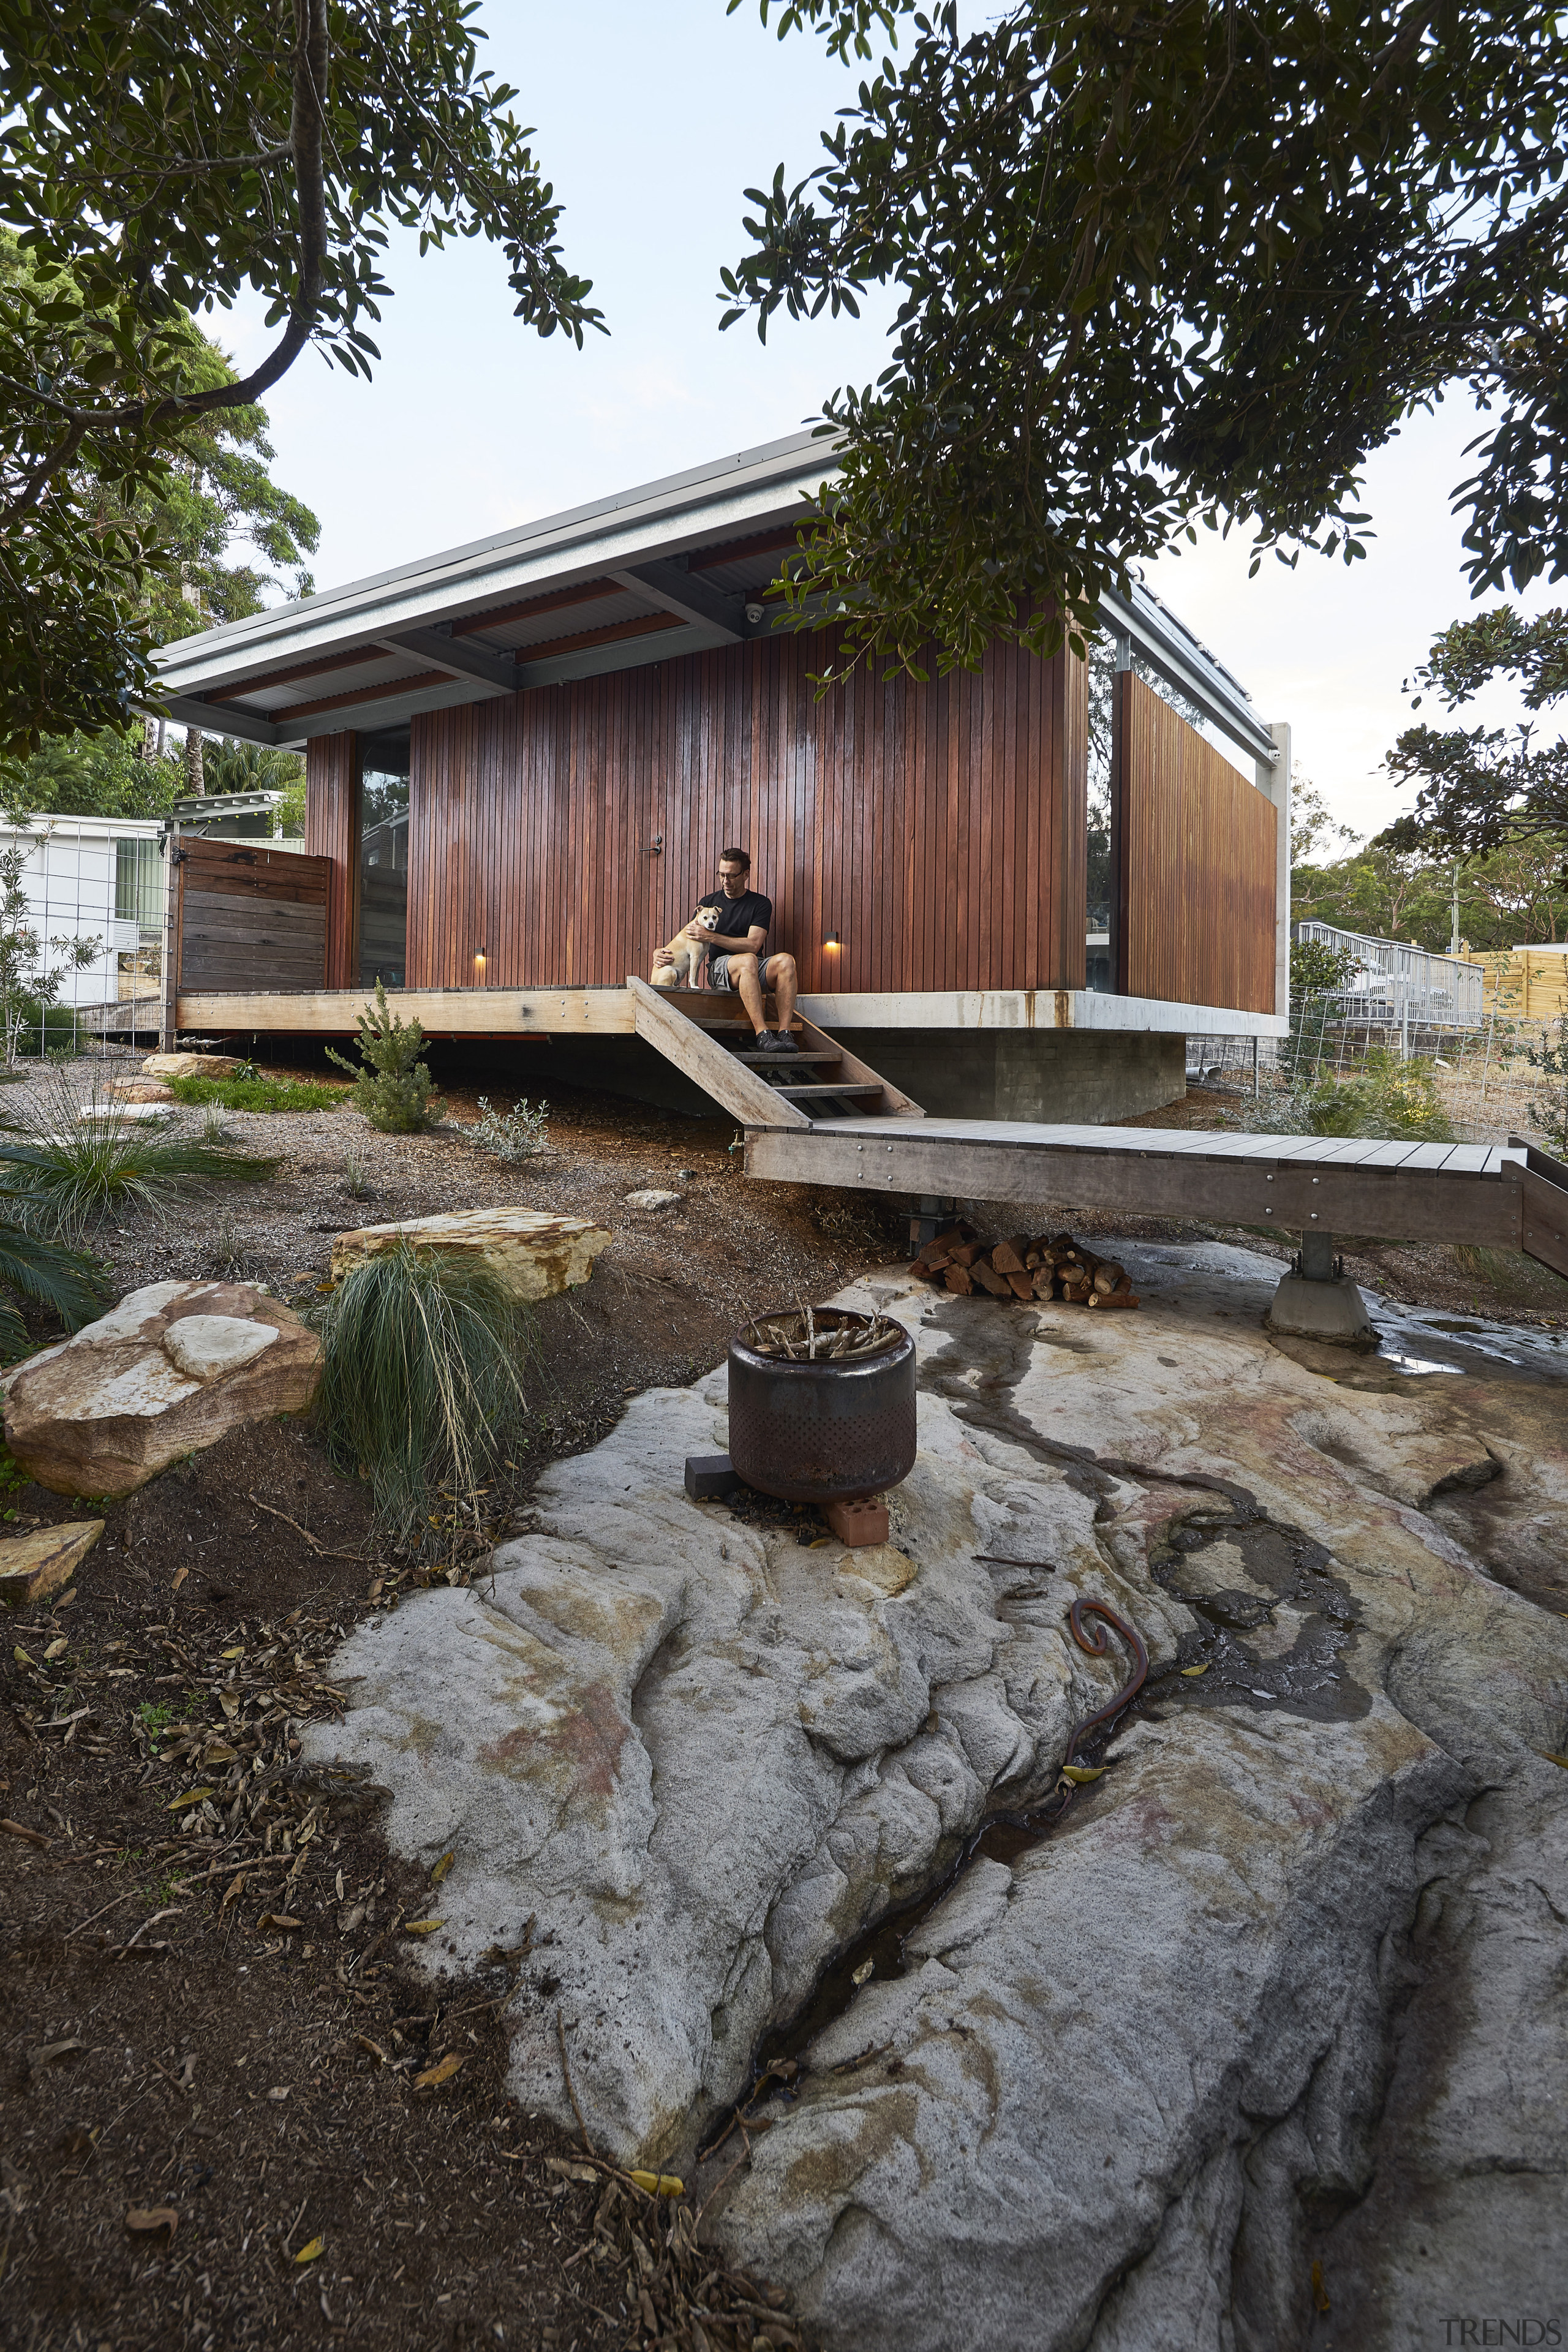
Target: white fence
<point>98,879</point>
<point>1394,987</point>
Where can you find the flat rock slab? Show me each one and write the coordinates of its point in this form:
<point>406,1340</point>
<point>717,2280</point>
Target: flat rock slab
<point>534,1257</point>
<point>190,1065</point>
<point>1128,2085</point>
<point>175,1368</point>
<point>653,1199</point>
<point>36,1566</point>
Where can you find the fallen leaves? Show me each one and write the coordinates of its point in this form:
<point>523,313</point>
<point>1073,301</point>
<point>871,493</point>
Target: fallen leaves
<point>1191,1672</point>
<point>374,2048</point>
<point>859,1976</point>
<point>565,2168</point>
<point>281,1920</point>
<point>19,1829</point>
<point>1080,1775</point>
<point>658,2184</point>
<point>147,2218</point>
<point>442,2071</point>
<point>422,1926</point>
<point>439,1870</point>
<point>192,1797</point>
<point>1549,1755</point>
<point>312,2251</point>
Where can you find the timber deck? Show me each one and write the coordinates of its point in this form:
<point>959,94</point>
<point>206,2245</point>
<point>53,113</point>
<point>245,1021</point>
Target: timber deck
<point>1494,1198</point>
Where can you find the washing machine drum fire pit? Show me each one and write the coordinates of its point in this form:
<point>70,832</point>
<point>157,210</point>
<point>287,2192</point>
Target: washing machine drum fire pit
<point>815,1426</point>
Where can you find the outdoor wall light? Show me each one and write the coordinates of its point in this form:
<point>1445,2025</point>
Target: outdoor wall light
<point>833,943</point>
<point>480,965</point>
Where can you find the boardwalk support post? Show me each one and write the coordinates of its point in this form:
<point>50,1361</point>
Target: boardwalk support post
<point>1318,1301</point>
<point>931,1212</point>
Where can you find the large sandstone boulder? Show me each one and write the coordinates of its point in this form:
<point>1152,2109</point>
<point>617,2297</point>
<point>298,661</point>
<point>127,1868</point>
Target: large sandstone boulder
<point>532,1255</point>
<point>175,1368</point>
<point>1268,2020</point>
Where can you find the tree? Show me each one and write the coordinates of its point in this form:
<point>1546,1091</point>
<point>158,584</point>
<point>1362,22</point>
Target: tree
<point>156,161</point>
<point>1162,266</point>
<point>1483,787</point>
<point>92,775</point>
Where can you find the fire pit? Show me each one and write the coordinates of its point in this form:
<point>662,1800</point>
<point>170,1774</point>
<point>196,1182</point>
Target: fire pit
<point>822,1407</point>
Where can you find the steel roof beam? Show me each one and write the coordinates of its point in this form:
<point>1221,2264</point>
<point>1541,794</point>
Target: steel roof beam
<point>458,655</point>
<point>666,582</point>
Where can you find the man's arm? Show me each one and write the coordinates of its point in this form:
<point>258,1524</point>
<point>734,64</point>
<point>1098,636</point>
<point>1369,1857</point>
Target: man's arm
<point>751,945</point>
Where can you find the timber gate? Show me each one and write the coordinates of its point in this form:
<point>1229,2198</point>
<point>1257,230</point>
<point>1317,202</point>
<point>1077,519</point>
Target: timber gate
<point>243,914</point>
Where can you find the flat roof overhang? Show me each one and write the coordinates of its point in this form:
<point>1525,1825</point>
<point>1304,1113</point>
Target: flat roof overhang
<point>672,567</point>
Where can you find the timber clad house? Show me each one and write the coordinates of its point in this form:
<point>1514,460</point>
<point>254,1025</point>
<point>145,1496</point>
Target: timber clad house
<point>525,755</point>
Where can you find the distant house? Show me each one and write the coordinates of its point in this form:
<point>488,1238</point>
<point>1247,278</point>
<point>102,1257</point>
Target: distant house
<point>525,754</point>
<point>101,879</point>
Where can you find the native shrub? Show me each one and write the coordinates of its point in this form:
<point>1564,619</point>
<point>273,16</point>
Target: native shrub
<point>392,1084</point>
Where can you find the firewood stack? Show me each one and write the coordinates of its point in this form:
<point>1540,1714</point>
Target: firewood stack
<point>1019,1267</point>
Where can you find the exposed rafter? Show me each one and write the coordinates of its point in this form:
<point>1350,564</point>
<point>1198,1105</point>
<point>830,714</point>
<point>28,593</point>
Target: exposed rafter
<point>458,657</point>
<point>669,583</point>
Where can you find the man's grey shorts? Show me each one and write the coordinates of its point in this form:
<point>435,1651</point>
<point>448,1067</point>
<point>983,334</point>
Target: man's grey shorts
<point>719,975</point>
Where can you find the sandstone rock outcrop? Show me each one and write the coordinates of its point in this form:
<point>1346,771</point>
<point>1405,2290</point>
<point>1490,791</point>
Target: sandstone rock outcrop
<point>532,1255</point>
<point>171,1370</point>
<point>1267,2022</point>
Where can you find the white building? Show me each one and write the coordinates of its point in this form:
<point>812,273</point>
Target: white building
<point>101,879</point>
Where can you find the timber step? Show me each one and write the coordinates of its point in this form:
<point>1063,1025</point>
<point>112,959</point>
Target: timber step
<point>789,1061</point>
<point>864,1089</point>
<point>723,1058</point>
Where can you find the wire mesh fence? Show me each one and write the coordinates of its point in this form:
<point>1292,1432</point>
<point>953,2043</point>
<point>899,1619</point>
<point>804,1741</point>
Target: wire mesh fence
<point>1478,1079</point>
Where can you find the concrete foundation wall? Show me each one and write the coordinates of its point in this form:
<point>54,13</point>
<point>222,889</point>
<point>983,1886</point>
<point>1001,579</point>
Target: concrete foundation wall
<point>1054,1076</point>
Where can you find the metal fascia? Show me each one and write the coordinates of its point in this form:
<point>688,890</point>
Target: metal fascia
<point>1174,653</point>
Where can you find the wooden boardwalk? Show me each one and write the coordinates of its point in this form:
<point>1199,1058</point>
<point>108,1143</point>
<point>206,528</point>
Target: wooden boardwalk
<point>1512,1198</point>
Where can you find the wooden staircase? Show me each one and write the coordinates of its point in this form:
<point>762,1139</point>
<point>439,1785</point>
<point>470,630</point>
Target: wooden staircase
<point>707,1037</point>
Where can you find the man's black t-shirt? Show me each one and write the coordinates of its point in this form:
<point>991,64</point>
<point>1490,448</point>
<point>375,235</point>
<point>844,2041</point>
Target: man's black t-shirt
<point>736,915</point>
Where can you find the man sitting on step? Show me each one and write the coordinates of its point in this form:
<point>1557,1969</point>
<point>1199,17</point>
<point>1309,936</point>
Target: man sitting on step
<point>737,956</point>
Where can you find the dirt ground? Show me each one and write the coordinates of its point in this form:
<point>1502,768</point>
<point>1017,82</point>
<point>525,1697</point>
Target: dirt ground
<point>232,2112</point>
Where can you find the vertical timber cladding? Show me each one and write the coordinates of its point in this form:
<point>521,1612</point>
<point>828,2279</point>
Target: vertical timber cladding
<point>331,832</point>
<point>1195,864</point>
<point>252,916</point>
<point>938,829</point>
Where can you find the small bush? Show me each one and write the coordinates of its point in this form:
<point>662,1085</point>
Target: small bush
<point>392,1087</point>
<point>1386,1100</point>
<point>420,1391</point>
<point>519,1133</point>
<point>258,1093</point>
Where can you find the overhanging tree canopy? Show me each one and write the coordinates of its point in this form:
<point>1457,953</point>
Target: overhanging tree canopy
<point>158,160</point>
<point>1481,788</point>
<point>1161,264</point>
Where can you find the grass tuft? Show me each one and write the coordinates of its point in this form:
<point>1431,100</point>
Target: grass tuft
<point>62,1174</point>
<point>420,1391</point>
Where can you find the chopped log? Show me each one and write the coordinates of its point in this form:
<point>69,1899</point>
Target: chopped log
<point>1022,1285</point>
<point>957,1279</point>
<point>1108,1277</point>
<point>1008,1256</point>
<point>966,1253</point>
<point>1044,1282</point>
<point>1114,1298</point>
<point>989,1279</point>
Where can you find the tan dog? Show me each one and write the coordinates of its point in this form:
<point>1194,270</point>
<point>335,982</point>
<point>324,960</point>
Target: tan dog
<point>685,954</point>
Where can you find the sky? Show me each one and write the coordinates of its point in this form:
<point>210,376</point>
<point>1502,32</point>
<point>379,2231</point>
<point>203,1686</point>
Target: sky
<point>651,121</point>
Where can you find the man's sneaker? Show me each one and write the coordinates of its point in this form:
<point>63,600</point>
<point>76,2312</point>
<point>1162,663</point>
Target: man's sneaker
<point>776,1041</point>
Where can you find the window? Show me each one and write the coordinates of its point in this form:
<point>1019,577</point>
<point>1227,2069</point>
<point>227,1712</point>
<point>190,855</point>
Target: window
<point>138,884</point>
